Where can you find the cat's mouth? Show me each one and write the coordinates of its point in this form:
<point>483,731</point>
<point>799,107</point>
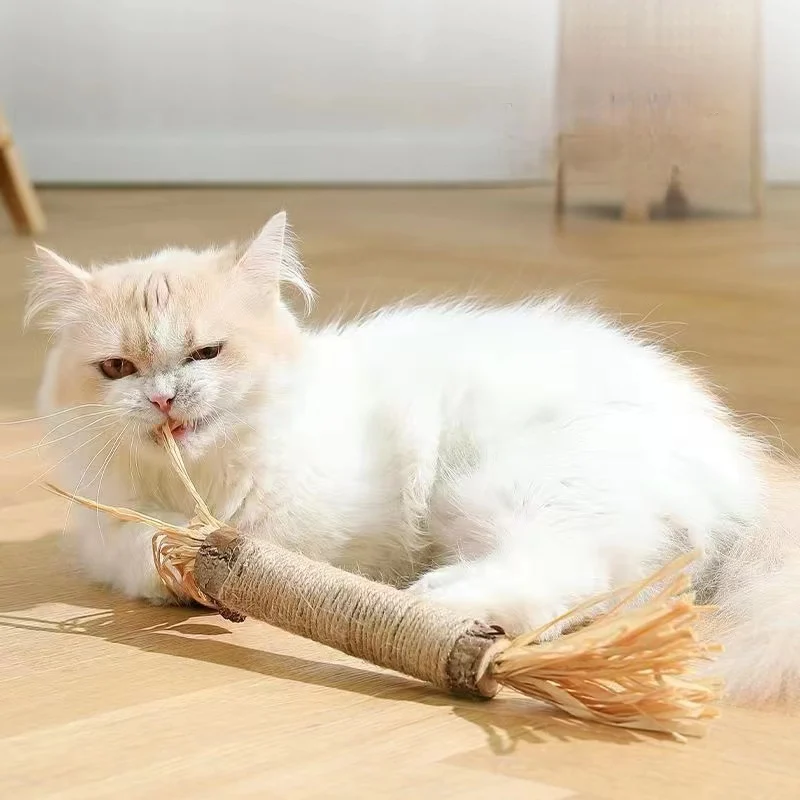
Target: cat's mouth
<point>181,429</point>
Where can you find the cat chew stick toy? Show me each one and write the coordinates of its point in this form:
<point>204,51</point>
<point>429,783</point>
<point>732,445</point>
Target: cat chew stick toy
<point>629,667</point>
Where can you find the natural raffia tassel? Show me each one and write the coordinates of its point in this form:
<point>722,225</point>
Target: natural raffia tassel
<point>631,666</point>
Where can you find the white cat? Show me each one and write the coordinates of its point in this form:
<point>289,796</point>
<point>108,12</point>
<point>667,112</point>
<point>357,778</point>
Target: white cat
<point>507,462</point>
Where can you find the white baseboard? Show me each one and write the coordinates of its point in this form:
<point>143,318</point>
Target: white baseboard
<point>302,159</point>
<point>367,159</point>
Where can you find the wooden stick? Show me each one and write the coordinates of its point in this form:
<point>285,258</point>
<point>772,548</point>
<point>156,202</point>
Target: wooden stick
<point>630,667</point>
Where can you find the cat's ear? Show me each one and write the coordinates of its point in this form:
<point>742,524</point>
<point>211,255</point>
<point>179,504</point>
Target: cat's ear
<point>58,291</point>
<point>271,260</point>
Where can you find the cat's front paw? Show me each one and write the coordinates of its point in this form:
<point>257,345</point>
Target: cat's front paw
<point>138,579</point>
<point>149,588</point>
<point>456,587</point>
<point>157,594</point>
<point>123,560</point>
<point>493,593</point>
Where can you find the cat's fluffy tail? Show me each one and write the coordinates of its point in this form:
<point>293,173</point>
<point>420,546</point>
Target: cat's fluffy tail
<point>758,597</point>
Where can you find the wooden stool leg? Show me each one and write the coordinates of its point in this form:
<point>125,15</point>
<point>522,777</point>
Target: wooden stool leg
<point>18,192</point>
<point>676,204</point>
<point>757,197</point>
<point>560,191</point>
<point>756,182</point>
<point>636,204</point>
<point>635,209</point>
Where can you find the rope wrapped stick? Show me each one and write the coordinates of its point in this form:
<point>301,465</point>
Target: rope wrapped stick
<point>631,666</point>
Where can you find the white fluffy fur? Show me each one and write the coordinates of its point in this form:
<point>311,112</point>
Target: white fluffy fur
<point>508,462</point>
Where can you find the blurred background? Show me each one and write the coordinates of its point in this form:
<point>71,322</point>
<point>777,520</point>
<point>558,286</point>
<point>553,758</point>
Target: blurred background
<point>307,91</point>
<point>416,146</point>
<point>314,92</point>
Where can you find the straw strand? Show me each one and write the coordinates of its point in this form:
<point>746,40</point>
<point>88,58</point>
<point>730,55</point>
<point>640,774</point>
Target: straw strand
<point>628,661</point>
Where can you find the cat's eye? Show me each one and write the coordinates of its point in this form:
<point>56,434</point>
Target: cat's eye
<point>206,353</point>
<point>116,368</point>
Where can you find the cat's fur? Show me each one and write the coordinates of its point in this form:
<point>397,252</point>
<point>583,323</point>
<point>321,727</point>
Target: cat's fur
<point>508,462</point>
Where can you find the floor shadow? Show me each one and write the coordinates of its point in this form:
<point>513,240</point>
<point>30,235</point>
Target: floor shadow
<point>32,574</point>
<point>658,213</point>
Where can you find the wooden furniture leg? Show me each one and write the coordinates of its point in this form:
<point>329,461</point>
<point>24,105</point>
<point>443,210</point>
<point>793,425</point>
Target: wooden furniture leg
<point>560,193</point>
<point>635,208</point>
<point>18,192</point>
<point>676,204</point>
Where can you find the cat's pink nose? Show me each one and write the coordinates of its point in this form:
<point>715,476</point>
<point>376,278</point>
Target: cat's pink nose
<point>162,402</point>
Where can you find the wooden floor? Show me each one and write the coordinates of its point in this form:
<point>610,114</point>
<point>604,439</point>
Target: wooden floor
<point>101,697</point>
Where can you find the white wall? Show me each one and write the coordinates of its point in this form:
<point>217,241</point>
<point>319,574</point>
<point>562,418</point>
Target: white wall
<point>781,44</point>
<point>309,90</point>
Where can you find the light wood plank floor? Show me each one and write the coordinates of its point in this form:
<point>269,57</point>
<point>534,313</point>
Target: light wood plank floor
<point>102,697</point>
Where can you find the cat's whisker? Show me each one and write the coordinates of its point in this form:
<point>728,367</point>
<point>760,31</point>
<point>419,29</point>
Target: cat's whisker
<point>114,450</point>
<point>95,417</point>
<point>80,482</point>
<point>130,453</point>
<point>241,421</point>
<point>56,414</point>
<point>114,446</point>
<point>82,417</point>
<point>78,486</point>
<point>69,455</point>
<point>44,442</point>
<point>135,450</point>
<point>135,440</point>
<point>218,417</point>
<point>215,415</point>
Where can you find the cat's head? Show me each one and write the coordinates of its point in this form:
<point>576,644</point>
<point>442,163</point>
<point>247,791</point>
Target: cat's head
<point>182,336</point>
